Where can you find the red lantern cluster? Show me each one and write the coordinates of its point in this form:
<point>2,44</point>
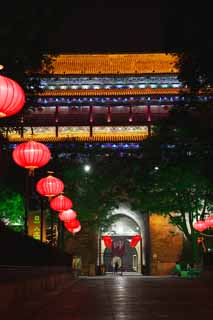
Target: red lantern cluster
<point>63,205</point>
<point>209,221</point>
<point>12,97</point>
<point>202,225</point>
<point>107,241</point>
<point>49,186</point>
<point>31,155</point>
<point>135,240</point>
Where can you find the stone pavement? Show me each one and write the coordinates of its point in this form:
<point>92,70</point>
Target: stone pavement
<point>123,298</point>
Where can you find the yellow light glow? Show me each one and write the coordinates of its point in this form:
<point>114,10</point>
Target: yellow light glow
<point>104,136</point>
<point>114,63</point>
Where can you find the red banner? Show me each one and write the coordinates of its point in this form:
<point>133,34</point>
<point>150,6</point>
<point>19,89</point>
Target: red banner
<point>135,240</point>
<point>118,248</point>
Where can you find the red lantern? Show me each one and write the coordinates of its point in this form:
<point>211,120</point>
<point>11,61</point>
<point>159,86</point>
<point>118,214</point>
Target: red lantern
<point>31,155</point>
<point>61,203</point>
<point>12,97</point>
<point>49,186</point>
<point>72,224</point>
<point>67,215</point>
<point>135,240</point>
<point>76,229</point>
<point>107,241</point>
<point>209,221</point>
<point>200,225</point>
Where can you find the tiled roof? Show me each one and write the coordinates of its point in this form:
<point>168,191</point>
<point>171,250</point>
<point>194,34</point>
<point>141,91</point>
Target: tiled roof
<point>111,92</point>
<point>82,138</point>
<point>112,64</point>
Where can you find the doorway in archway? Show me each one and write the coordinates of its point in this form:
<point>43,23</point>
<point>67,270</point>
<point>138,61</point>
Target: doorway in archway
<point>121,231</point>
<point>130,261</point>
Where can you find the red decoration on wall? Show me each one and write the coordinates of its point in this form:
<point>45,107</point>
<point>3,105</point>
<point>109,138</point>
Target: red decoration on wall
<point>61,203</point>
<point>12,97</point>
<point>107,241</point>
<point>49,186</point>
<point>135,240</point>
<point>67,215</point>
<point>200,225</point>
<point>31,155</point>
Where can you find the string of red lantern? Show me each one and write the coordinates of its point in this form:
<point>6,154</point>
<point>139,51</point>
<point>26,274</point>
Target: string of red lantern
<point>30,155</point>
<point>202,225</point>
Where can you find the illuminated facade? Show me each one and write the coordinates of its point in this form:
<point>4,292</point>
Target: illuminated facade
<point>112,100</point>
<point>101,97</point>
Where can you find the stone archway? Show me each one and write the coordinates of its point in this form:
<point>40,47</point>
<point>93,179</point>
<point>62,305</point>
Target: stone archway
<point>128,223</point>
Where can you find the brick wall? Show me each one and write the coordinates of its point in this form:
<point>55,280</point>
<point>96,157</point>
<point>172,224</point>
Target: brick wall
<point>166,245</point>
<point>84,245</point>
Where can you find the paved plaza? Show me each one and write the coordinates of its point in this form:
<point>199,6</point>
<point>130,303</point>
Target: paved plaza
<point>123,297</point>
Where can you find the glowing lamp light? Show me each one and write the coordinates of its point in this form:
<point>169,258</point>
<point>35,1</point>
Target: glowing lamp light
<point>12,97</point>
<point>200,225</point>
<point>31,155</point>
<point>107,241</point>
<point>72,224</point>
<point>209,221</point>
<point>61,203</point>
<point>67,215</point>
<point>135,240</point>
<point>49,186</point>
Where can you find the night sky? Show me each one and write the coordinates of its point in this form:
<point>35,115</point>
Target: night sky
<point>104,28</point>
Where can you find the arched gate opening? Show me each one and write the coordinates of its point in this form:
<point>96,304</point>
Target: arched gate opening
<point>127,224</point>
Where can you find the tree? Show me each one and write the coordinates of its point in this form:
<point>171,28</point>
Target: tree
<point>178,190</point>
<point>94,193</point>
<point>11,207</point>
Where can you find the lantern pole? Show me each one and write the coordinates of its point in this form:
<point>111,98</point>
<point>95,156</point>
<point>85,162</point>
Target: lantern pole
<point>51,227</point>
<point>26,203</point>
<point>42,218</point>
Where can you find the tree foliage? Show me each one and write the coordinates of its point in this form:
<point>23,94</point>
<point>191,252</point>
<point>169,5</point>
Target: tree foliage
<point>97,192</point>
<point>179,191</point>
<point>11,206</point>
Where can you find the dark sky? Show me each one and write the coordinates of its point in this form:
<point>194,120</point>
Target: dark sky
<point>104,28</point>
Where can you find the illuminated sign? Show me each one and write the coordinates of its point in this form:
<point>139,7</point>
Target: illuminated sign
<point>34,226</point>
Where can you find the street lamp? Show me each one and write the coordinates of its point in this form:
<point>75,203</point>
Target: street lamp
<point>87,168</point>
